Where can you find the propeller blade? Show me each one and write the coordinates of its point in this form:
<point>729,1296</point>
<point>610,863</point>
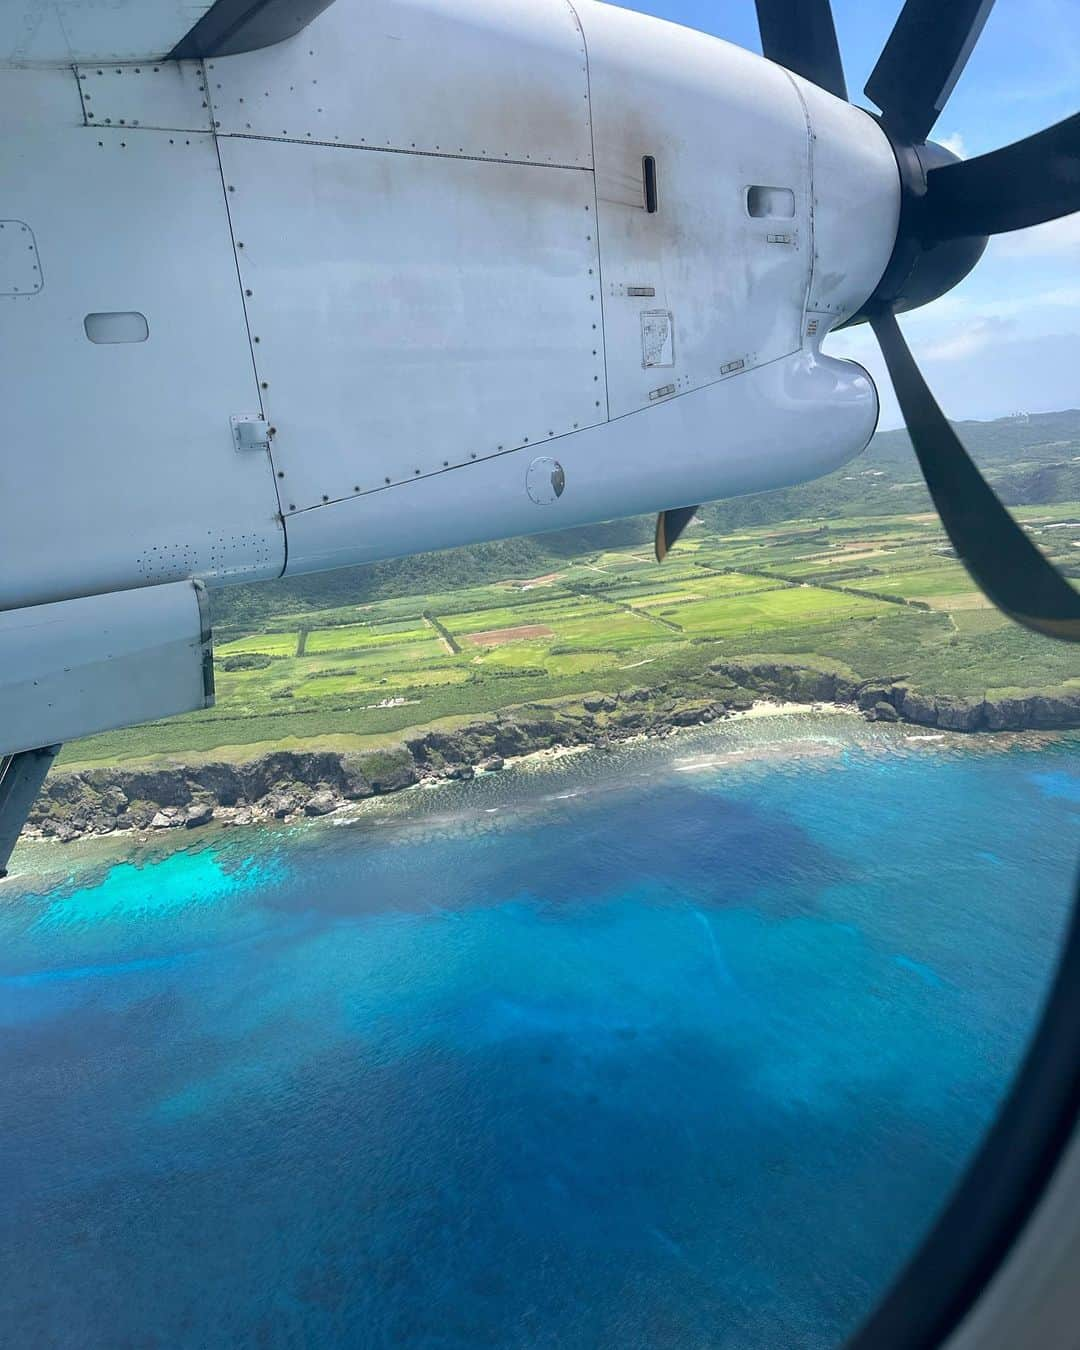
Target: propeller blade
<point>1001,558</point>
<point>800,35</point>
<point>927,49</point>
<point>669,526</point>
<point>1026,183</point>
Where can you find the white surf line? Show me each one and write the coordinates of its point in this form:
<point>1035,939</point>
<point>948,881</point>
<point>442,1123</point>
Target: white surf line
<point>709,762</point>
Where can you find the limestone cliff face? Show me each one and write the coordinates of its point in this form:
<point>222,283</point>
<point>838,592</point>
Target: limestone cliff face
<point>893,698</point>
<point>289,784</point>
<point>788,681</point>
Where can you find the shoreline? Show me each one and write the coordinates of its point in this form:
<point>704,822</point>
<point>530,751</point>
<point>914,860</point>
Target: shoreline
<point>225,816</point>
<point>295,784</point>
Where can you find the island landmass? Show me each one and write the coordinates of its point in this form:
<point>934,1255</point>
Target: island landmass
<point>336,688</point>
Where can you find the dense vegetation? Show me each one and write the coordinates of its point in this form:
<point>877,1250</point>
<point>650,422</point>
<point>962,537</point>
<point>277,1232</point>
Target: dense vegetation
<point>851,572</point>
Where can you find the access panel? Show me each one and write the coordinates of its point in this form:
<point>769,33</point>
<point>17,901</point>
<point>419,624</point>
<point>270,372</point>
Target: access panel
<point>702,160</point>
<point>123,367</point>
<point>412,313</point>
<point>490,79</point>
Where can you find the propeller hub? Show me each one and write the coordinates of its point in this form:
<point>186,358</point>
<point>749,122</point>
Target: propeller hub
<point>948,208</point>
<point>921,267</point>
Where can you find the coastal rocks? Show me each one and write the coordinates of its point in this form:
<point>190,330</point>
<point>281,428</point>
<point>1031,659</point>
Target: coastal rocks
<point>355,784</point>
<point>391,770</point>
<point>693,712</point>
<point>285,769</point>
<point>113,799</point>
<point>635,695</point>
<point>137,817</point>
<point>289,785</point>
<point>794,683</point>
<point>1052,711</point>
<point>321,803</point>
<point>1005,714</point>
<point>892,698</point>
<point>917,708</point>
<point>221,782</point>
<point>281,804</point>
<point>946,713</point>
<point>958,714</point>
<point>1040,712</point>
<point>163,787</point>
<point>441,752</point>
<point>199,813</point>
<point>508,738</point>
<point>875,693</point>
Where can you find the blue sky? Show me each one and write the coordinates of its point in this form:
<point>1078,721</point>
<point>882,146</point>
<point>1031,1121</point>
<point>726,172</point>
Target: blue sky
<point>1008,337</point>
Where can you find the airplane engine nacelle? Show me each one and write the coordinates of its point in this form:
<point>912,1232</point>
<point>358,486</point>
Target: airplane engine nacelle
<point>431,271</point>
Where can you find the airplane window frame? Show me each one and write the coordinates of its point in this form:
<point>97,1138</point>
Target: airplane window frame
<point>1008,1177</point>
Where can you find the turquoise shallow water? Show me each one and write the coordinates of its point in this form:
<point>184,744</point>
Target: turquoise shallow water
<point>681,1046</point>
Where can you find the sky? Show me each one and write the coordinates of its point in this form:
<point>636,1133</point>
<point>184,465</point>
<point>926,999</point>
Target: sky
<point>1007,339</point>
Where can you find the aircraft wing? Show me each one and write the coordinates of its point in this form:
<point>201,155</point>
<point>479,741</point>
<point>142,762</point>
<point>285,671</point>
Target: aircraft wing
<point>69,32</point>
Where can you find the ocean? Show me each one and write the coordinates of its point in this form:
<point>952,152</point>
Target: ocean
<point>680,1045</point>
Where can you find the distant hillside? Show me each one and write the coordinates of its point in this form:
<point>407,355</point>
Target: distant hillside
<point>1030,460</point>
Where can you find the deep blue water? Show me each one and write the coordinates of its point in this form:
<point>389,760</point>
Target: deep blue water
<point>652,1049</point>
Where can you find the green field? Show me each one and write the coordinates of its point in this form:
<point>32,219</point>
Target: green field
<point>876,595</point>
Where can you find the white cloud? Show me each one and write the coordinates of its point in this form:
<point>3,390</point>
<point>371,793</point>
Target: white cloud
<point>944,316</point>
<point>1057,238</point>
<point>966,341</point>
<point>1067,296</point>
<point>1005,372</point>
<point>1036,373</point>
<point>953,142</point>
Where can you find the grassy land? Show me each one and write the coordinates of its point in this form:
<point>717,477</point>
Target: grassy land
<point>875,594</point>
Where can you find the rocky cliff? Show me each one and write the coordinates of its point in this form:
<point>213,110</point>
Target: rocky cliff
<point>290,784</point>
<point>893,699</point>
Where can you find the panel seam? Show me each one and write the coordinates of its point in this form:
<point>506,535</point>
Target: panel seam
<point>78,86</point>
<point>247,328</point>
<point>581,431</point>
<point>396,150</point>
<point>596,209</point>
<point>809,205</point>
